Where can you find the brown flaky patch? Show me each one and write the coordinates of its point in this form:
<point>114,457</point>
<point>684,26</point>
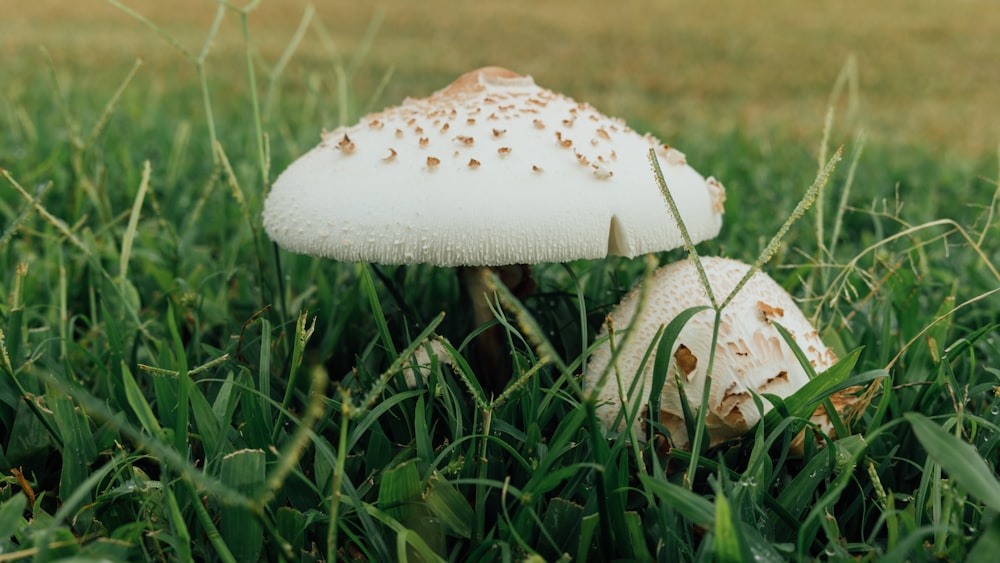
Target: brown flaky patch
<point>718,194</point>
<point>686,361</point>
<point>780,379</point>
<point>469,82</point>
<point>675,426</point>
<point>770,313</point>
<point>846,402</point>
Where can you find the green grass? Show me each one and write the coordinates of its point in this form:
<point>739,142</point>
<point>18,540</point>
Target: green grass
<point>172,387</point>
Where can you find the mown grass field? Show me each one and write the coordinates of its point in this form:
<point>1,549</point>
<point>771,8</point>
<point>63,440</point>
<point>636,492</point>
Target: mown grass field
<point>173,387</point>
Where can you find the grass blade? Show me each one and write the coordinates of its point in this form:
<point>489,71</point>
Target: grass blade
<point>962,462</point>
<point>244,471</point>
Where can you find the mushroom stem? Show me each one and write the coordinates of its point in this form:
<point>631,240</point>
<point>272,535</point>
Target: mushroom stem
<point>490,359</point>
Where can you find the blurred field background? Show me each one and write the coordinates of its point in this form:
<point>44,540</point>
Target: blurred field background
<point>120,267</point>
<point>928,70</point>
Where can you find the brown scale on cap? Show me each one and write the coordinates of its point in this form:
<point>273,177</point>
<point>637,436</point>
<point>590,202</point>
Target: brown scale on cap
<point>780,379</point>
<point>769,313</point>
<point>686,361</point>
<point>497,133</point>
<point>432,162</point>
<point>717,192</point>
<point>346,145</point>
<point>673,156</point>
<point>750,356</point>
<point>473,163</point>
<point>469,82</point>
<point>601,172</point>
<point>468,141</point>
<point>391,156</point>
<point>503,151</point>
<point>538,124</point>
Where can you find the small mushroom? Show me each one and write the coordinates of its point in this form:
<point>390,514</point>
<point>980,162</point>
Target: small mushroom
<point>750,354</point>
<point>486,205</point>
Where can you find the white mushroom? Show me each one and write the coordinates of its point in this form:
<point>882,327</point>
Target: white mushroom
<point>486,172</point>
<point>490,171</point>
<point>750,355</point>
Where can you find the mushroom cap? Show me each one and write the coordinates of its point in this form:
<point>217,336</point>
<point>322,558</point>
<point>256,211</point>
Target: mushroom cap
<point>750,354</point>
<point>491,170</point>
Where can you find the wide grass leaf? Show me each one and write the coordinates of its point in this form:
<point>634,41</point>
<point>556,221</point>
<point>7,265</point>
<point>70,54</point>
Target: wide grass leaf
<point>803,402</point>
<point>10,515</point>
<point>400,497</point>
<point>563,520</point>
<point>728,543</point>
<point>636,547</point>
<point>291,526</point>
<point>136,400</point>
<point>243,471</point>
<point>962,462</point>
<point>448,504</point>
<point>78,442</point>
<point>693,506</point>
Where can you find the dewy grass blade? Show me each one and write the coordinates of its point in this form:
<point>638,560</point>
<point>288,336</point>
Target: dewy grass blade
<point>696,508</point>
<point>730,546</point>
<point>962,462</point>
